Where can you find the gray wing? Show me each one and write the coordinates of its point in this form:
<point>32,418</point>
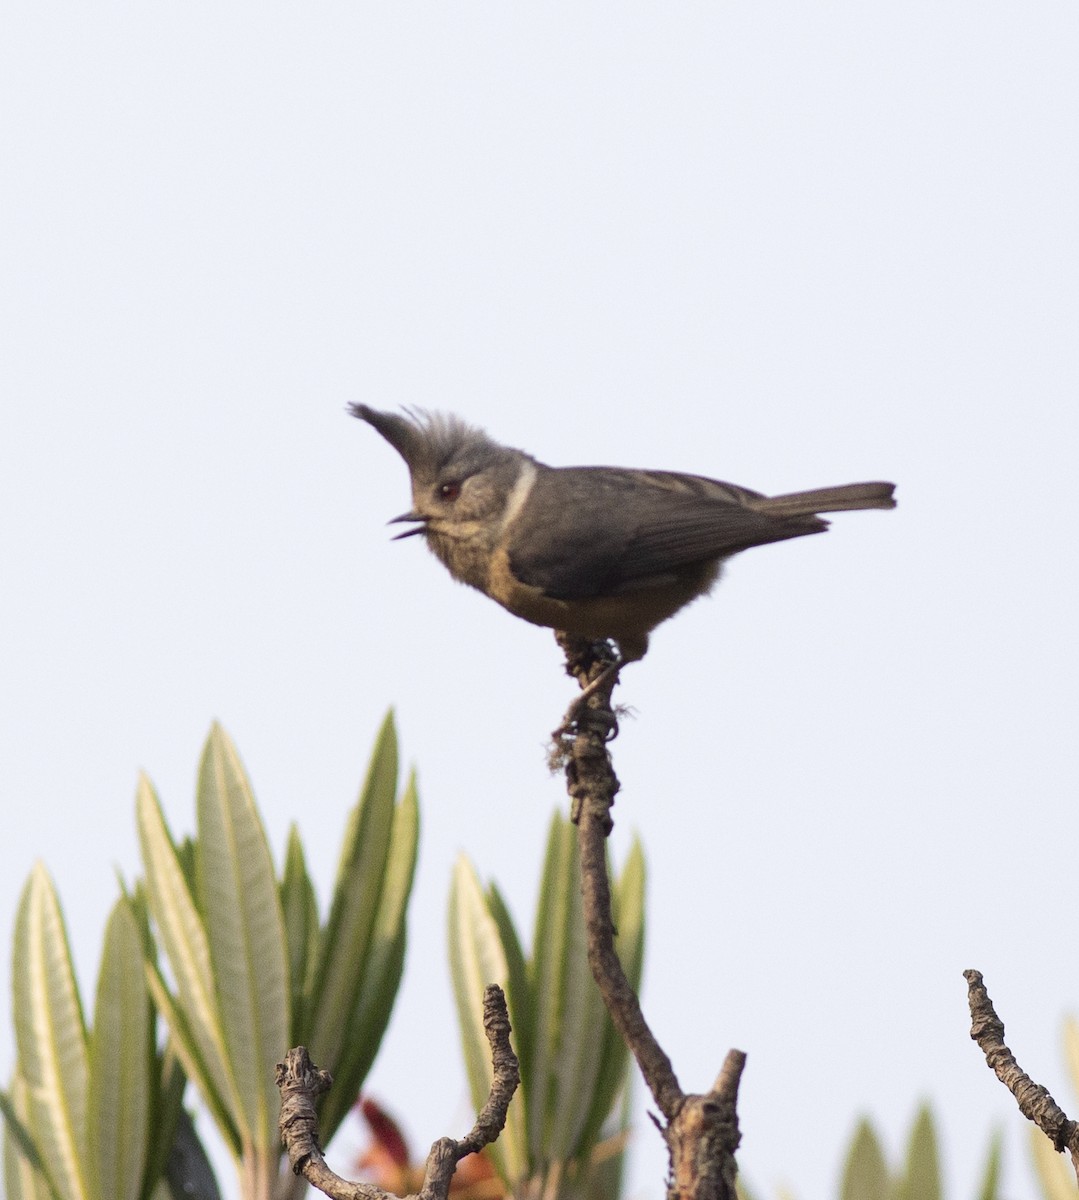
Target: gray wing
<point>588,531</point>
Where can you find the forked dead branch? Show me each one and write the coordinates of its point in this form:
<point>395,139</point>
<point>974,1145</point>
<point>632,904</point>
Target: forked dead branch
<point>301,1083</point>
<point>701,1131</point>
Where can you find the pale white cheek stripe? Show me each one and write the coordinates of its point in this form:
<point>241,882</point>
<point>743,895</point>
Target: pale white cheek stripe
<point>518,494</point>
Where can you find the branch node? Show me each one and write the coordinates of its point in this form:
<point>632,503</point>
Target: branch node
<point>300,1083</point>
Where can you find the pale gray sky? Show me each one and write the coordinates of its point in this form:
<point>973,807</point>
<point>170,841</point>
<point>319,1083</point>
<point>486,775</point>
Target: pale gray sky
<point>786,245</point>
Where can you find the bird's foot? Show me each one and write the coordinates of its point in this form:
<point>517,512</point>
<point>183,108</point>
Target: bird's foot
<point>599,715</point>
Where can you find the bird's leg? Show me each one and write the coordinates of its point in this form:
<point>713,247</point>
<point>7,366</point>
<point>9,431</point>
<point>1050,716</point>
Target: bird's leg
<point>596,668</point>
<point>610,671</point>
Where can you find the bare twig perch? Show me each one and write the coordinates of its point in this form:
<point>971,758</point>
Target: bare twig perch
<point>1035,1103</point>
<point>301,1083</point>
<point>701,1132</point>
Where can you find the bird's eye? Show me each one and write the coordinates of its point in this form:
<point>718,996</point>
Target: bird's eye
<point>449,491</point>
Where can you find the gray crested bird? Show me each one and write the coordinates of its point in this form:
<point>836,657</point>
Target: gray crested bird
<point>603,552</point>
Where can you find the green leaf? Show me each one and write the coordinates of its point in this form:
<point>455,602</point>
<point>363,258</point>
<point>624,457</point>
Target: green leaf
<point>119,1064</point>
<point>188,1172</point>
<point>246,935</point>
<point>579,1036</point>
<point>139,907</point>
<point>549,950</point>
<point>166,1108</point>
<point>573,1064</point>
<point>478,958</point>
<point>187,856</point>
<point>1055,1175</point>
<point>193,1014</point>
<point>628,897</point>
<point>865,1176</point>
<point>50,1034</point>
<point>300,911</point>
<point>354,908</point>
<point>184,1045</point>
<point>921,1180</point>
<point>167,1081</point>
<point>990,1185</point>
<point>518,989</point>
<point>25,1174</point>
<point>383,966</point>
<point>605,1167</point>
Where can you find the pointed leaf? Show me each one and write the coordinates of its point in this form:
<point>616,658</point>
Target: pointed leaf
<point>865,1176</point>
<point>1055,1175</point>
<point>549,950</point>
<point>167,1079</point>
<point>184,1044</point>
<point>922,1178</point>
<point>187,857</point>
<point>166,1108</point>
<point>477,958</point>
<point>383,965</point>
<point>300,911</point>
<point>629,908</point>
<point>188,1172</point>
<point>628,904</point>
<point>578,1039</point>
<point>518,989</point>
<point>346,938</point>
<point>606,1164</point>
<point>246,935</point>
<point>184,940</point>
<point>139,907</point>
<point>990,1185</point>
<point>50,1034</point>
<point>25,1174</point>
<point>119,1064</point>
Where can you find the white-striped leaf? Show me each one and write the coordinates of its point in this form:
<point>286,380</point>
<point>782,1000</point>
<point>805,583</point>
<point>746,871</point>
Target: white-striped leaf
<point>383,964</point>
<point>51,1035</point>
<point>346,938</point>
<point>246,936</point>
<point>120,1064</point>
<point>199,1035</point>
<point>477,958</point>
<point>25,1174</point>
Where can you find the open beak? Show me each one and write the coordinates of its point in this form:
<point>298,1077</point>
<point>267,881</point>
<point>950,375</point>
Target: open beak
<point>409,516</point>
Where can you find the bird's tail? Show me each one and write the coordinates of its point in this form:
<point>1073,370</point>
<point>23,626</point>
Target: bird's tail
<point>845,498</point>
